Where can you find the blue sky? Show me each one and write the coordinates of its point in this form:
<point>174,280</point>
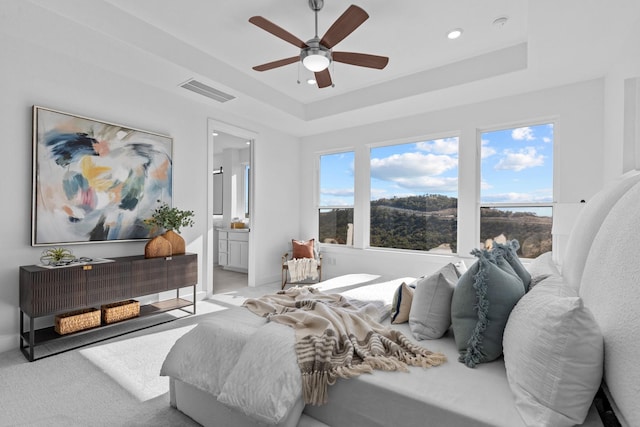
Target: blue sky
<point>517,167</point>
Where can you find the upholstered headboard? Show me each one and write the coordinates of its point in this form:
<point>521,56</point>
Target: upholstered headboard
<point>606,239</point>
<point>588,224</point>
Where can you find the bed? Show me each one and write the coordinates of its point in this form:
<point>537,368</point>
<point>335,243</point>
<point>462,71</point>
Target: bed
<point>221,374</point>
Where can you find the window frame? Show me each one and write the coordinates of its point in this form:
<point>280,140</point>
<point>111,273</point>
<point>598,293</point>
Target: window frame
<point>318,194</point>
<point>506,205</point>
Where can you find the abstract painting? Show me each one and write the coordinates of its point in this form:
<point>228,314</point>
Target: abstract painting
<point>95,181</point>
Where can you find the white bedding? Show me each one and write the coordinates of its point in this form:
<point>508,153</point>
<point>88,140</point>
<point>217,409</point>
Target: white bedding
<point>248,364</point>
<point>245,362</point>
<point>228,357</point>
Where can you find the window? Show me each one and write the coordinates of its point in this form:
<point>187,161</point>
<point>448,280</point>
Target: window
<point>414,196</point>
<point>336,198</point>
<point>516,192</point>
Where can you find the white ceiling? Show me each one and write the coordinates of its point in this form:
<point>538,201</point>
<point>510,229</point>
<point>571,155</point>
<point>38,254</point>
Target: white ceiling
<point>545,43</point>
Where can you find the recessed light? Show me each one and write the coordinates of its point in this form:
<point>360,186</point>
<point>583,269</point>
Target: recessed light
<point>311,81</point>
<point>215,133</point>
<point>454,34</point>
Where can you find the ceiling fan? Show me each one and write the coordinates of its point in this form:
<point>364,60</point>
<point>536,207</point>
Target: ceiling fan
<point>316,54</point>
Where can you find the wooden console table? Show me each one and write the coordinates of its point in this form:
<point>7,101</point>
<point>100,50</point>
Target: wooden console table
<point>51,291</point>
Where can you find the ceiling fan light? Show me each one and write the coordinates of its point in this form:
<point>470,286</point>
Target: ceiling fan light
<point>316,62</point>
<point>454,34</point>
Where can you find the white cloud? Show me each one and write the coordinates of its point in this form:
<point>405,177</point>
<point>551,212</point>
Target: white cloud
<point>411,165</point>
<point>525,133</point>
<point>429,184</point>
<point>484,185</point>
<point>335,202</point>
<point>546,139</point>
<point>336,197</point>
<point>485,150</point>
<point>447,146</point>
<point>520,160</point>
<point>416,172</point>
<point>379,193</point>
<point>339,192</point>
<point>537,196</point>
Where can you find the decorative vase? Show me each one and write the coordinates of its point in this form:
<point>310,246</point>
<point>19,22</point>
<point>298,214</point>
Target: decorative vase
<point>177,242</point>
<point>158,247</point>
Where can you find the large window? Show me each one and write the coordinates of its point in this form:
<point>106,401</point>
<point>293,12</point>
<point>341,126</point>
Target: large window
<point>336,198</point>
<point>414,196</point>
<point>517,187</point>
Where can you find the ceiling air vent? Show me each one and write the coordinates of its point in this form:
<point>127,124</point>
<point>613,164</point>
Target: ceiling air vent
<point>208,91</point>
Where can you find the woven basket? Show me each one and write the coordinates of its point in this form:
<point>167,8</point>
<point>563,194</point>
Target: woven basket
<point>118,311</point>
<point>77,321</point>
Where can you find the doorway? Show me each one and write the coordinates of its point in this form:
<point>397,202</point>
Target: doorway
<point>229,261</point>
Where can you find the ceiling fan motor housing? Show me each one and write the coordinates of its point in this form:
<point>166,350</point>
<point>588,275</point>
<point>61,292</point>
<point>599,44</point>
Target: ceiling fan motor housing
<point>315,57</point>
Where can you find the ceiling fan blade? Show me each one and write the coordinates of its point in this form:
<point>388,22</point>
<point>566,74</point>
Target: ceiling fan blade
<point>361,59</point>
<point>276,64</point>
<point>323,78</point>
<point>351,19</point>
<point>277,31</point>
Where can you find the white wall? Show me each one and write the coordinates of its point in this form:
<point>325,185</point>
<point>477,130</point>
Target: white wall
<point>31,74</point>
<point>616,119</point>
<point>577,111</point>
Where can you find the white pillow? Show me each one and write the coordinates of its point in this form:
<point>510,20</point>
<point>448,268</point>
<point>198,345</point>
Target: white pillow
<point>430,314</point>
<point>542,267</point>
<point>553,355</point>
<point>270,396</point>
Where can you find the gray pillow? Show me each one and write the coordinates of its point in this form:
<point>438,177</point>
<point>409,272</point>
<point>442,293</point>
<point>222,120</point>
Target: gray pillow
<point>430,315</point>
<point>509,251</point>
<point>481,304</point>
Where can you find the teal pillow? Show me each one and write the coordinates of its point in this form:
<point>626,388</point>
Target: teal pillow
<point>481,303</point>
<point>509,251</point>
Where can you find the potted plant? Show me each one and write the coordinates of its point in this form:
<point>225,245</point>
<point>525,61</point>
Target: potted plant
<point>56,256</point>
<point>170,220</point>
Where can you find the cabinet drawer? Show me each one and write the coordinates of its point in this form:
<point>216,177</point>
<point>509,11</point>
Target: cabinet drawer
<point>222,234</point>
<point>239,236</point>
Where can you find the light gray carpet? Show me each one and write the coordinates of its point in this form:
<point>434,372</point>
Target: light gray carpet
<point>112,383</point>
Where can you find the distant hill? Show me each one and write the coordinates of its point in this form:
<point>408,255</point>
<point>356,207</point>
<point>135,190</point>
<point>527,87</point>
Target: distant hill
<point>429,223</point>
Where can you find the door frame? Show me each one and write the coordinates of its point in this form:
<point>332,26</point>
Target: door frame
<point>249,135</point>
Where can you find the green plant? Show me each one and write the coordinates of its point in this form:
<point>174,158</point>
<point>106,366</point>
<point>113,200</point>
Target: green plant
<point>55,256</point>
<point>170,218</point>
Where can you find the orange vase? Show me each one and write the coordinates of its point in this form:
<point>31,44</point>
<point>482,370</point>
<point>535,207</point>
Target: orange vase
<point>158,247</point>
<point>177,242</point>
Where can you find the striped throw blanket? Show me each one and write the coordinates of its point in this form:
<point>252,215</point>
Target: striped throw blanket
<point>338,338</point>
